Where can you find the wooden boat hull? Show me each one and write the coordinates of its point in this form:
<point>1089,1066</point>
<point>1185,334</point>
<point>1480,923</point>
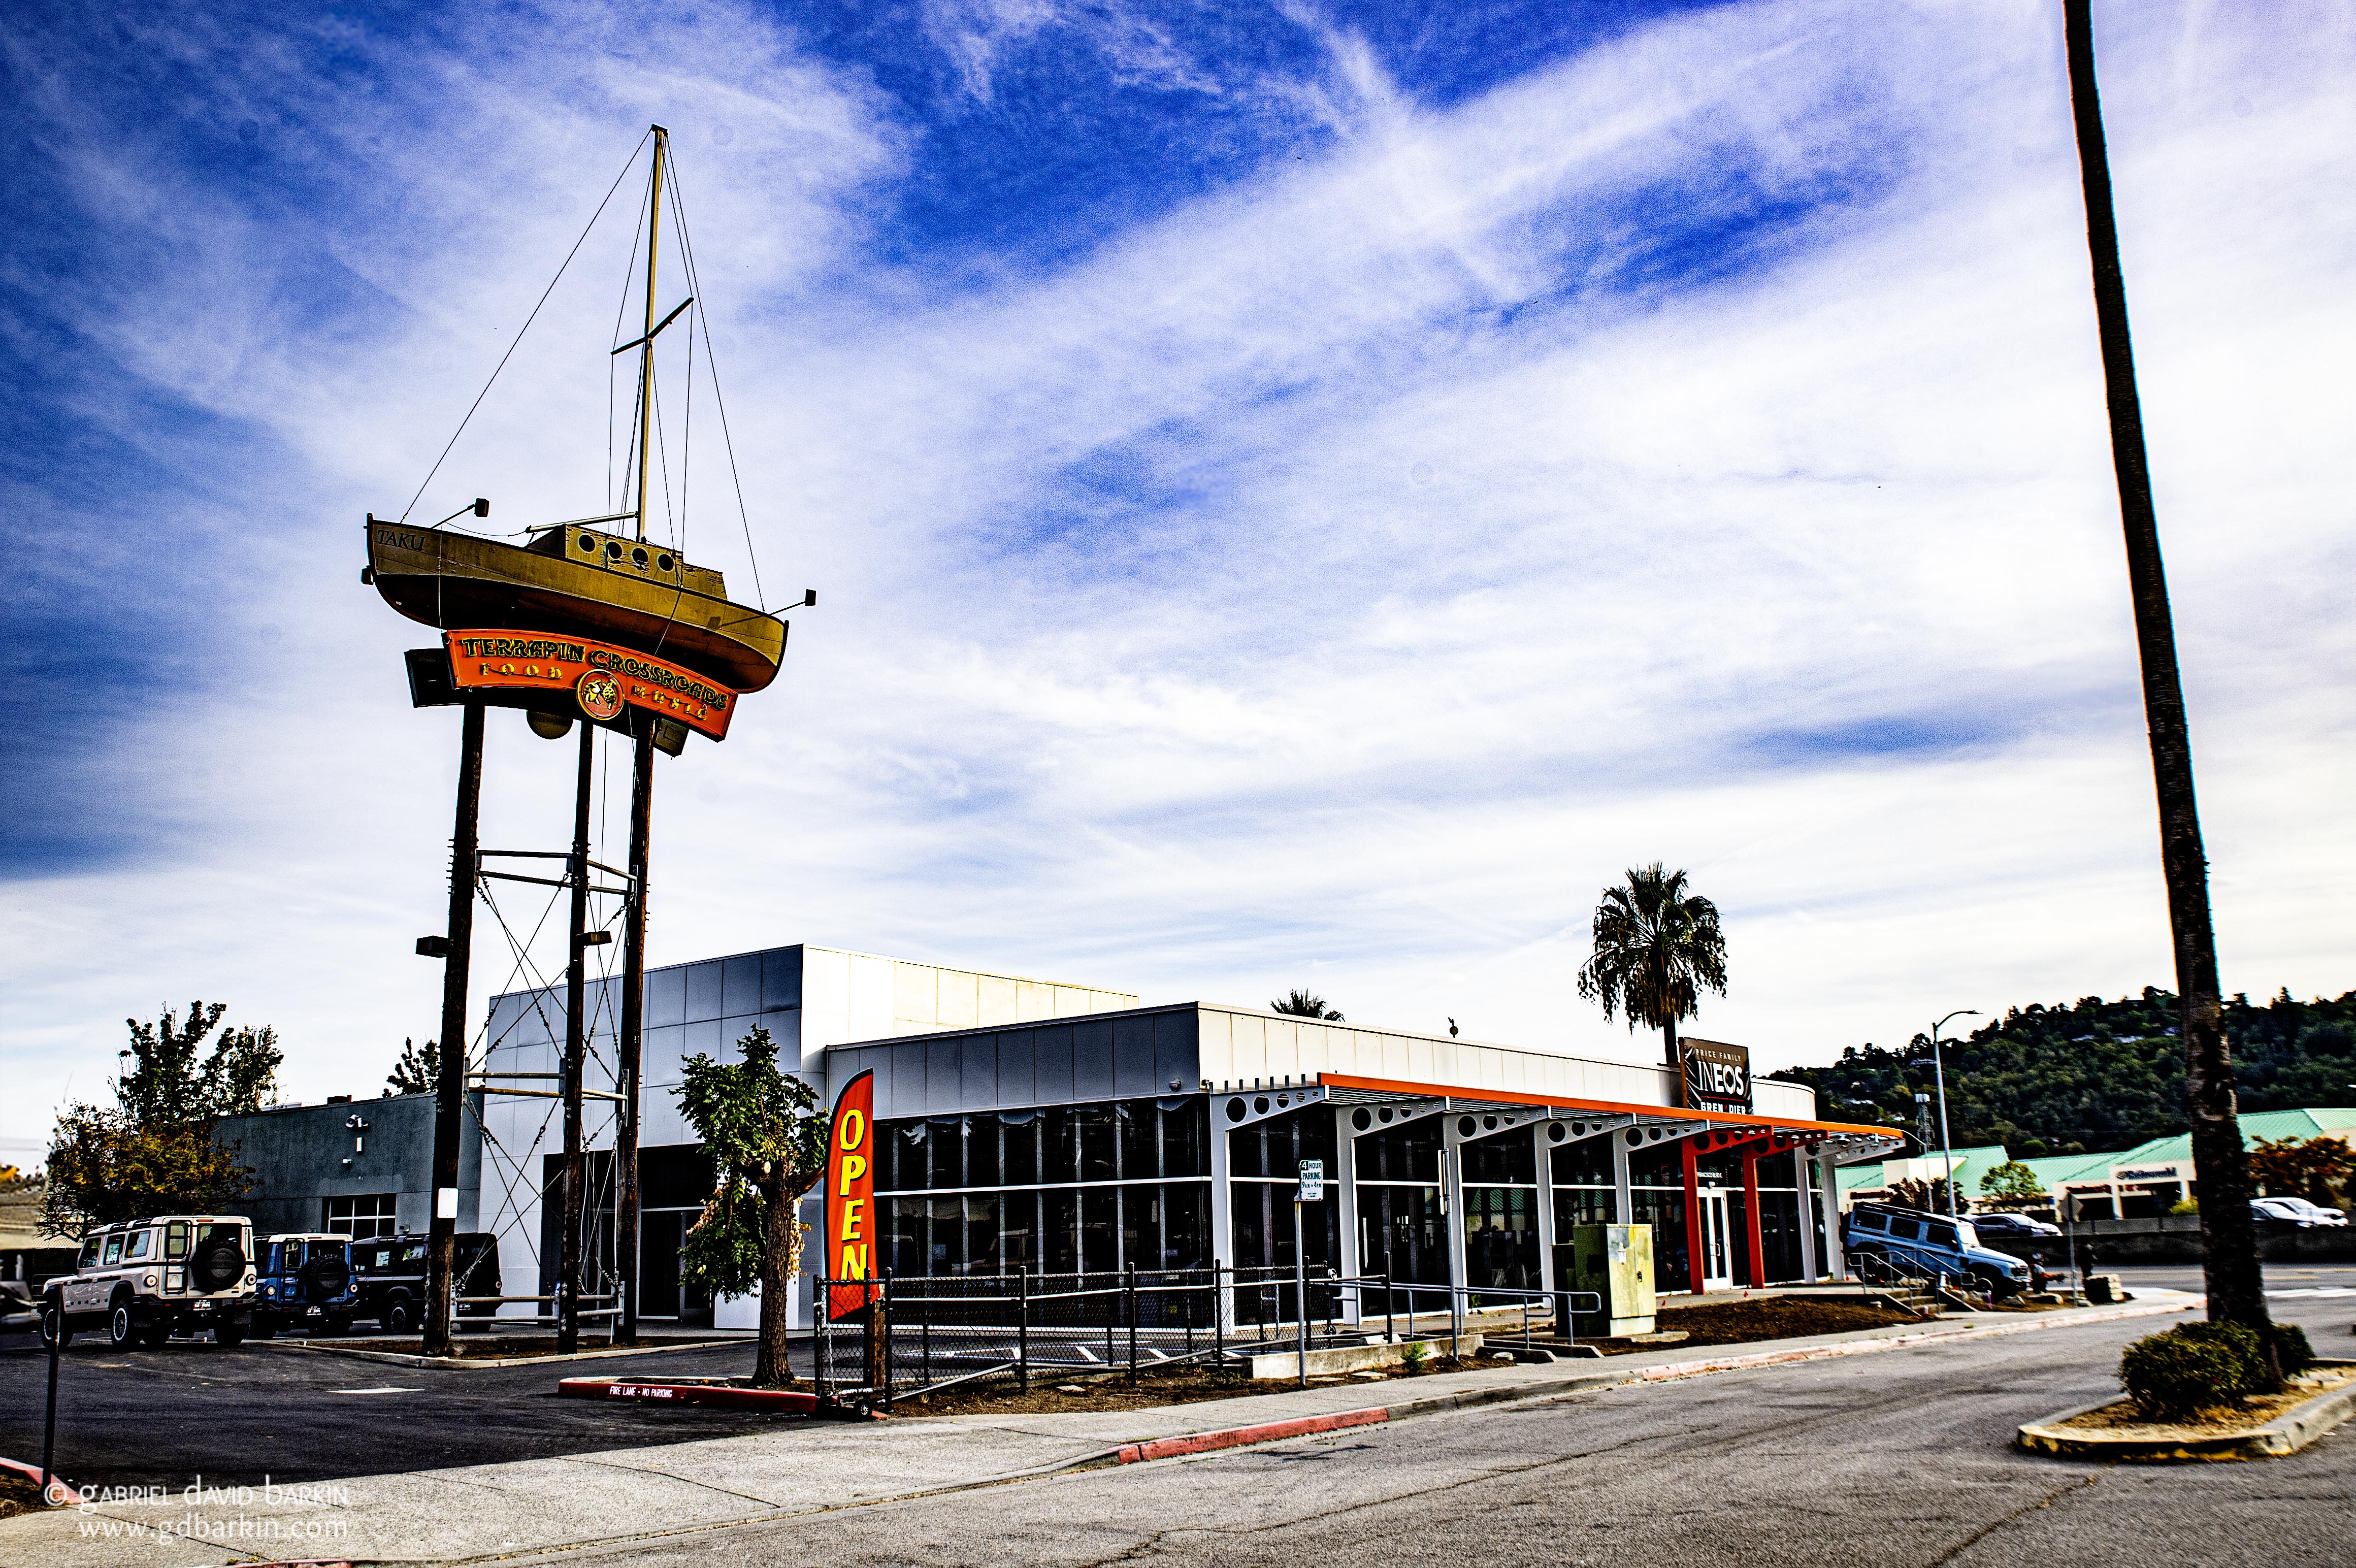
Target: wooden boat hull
<point>457,581</point>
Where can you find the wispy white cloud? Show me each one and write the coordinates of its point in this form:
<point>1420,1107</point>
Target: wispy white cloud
<point>1339,578</point>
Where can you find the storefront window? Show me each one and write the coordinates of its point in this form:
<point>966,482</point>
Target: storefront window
<point>1586,1163</point>
<point>1583,1205</point>
<point>1501,1237</point>
<point>1408,1153</point>
<point>1664,1209</point>
<point>1657,1164</point>
<point>1130,1140</point>
<point>1505,1159</point>
<point>1275,1148</point>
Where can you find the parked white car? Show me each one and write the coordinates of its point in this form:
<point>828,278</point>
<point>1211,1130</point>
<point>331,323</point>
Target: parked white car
<point>143,1279</point>
<point>2295,1211</point>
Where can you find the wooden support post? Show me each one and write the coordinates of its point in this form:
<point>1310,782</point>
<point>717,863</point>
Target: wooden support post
<point>567,1281</point>
<point>630,1046</point>
<point>450,1081</point>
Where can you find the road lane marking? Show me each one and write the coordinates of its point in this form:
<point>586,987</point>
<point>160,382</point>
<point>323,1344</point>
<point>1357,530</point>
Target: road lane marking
<point>388,1390</point>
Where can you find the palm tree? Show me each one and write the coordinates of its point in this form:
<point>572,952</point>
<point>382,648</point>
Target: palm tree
<point>1656,945</point>
<point>1300,1004</point>
<point>2230,1254</point>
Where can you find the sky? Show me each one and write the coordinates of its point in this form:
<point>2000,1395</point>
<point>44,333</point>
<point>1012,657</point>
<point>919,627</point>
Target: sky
<point>1299,495</point>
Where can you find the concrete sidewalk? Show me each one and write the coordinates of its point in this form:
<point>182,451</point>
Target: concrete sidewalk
<point>807,1468</point>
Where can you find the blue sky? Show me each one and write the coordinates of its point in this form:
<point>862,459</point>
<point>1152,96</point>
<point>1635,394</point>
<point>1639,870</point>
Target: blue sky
<point>1300,494</point>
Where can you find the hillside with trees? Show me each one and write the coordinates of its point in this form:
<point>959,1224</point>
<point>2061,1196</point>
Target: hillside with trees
<point>2095,1074</point>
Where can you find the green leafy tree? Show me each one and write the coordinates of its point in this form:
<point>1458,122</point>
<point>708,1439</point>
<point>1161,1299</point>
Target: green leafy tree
<point>103,1167</point>
<point>417,1072</point>
<point>1657,946</point>
<point>1930,1195</point>
<point>767,1135</point>
<point>2319,1169</point>
<point>1300,1004</point>
<point>154,1151</point>
<point>2011,1186</point>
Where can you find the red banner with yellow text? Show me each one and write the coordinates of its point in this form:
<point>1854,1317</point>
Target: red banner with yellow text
<point>602,678</point>
<point>850,1226</point>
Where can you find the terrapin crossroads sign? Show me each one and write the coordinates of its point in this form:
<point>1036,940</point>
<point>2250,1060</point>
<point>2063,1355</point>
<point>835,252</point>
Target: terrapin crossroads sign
<point>602,678</point>
<point>1717,1076</point>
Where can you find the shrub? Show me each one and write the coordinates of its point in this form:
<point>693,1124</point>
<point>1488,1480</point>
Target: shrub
<point>2192,1366</point>
<point>1415,1354</point>
<point>2292,1350</point>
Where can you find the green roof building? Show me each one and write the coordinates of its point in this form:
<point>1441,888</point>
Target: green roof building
<point>2149,1175</point>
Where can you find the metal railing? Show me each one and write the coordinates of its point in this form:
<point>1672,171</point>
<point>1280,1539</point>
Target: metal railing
<point>925,1333</point>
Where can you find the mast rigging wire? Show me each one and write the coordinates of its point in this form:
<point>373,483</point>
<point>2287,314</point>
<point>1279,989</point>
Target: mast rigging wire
<point>711,365</point>
<point>524,328</point>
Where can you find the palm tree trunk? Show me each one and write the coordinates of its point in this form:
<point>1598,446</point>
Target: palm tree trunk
<point>771,1368</point>
<point>1669,1045</point>
<point>2236,1290</point>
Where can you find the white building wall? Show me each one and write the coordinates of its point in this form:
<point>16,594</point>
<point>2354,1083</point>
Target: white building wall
<point>807,997</point>
<point>1240,1044</point>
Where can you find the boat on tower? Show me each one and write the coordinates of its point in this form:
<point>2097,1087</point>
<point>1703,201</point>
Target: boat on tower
<point>598,580</point>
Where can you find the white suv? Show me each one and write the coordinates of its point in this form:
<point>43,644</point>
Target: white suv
<point>144,1278</point>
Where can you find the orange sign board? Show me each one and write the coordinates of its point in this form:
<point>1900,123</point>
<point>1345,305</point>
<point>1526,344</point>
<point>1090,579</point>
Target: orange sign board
<point>850,1226</point>
<point>602,678</point>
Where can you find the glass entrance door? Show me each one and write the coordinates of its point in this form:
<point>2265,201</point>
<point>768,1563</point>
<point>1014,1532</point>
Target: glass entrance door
<point>1716,1254</point>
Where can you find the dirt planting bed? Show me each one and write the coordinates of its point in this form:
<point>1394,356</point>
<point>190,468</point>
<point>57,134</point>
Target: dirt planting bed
<point>2128,1419</point>
<point>1768,1317</point>
<point>18,1495</point>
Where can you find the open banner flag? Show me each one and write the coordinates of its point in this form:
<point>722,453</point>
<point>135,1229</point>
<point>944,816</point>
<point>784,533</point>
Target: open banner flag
<point>850,1214</point>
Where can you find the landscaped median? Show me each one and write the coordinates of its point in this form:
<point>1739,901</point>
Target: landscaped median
<point>2209,1390</point>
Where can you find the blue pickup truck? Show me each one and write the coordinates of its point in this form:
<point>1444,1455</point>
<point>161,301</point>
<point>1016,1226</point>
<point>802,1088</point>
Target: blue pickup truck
<point>1931,1245</point>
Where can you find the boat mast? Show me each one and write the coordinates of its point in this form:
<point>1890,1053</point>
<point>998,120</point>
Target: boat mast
<point>647,348</point>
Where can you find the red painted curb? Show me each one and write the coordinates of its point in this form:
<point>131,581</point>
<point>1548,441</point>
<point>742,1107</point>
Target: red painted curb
<point>61,1491</point>
<point>1267,1432</point>
<point>787,1401</point>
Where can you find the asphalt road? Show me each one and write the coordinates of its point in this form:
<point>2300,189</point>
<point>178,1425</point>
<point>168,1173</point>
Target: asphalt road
<point>151,1417</point>
<point>1901,1458</point>
<point>162,1417</point>
<point>2279,1276</point>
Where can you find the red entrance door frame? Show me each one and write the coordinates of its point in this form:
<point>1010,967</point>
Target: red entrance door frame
<point>1752,1151</point>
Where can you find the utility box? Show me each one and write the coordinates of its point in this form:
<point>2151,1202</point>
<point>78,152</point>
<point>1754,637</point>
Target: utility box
<point>1615,1261</point>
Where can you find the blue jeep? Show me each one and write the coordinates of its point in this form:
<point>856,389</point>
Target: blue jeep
<point>308,1283</point>
<point>1933,1246</point>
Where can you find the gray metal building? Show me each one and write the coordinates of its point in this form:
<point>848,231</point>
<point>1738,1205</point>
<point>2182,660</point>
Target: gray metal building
<point>360,1167</point>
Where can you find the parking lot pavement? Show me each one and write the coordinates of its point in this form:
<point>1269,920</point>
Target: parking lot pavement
<point>1900,1460</point>
<point>2287,1280</point>
<point>798,1467</point>
<point>158,1417</point>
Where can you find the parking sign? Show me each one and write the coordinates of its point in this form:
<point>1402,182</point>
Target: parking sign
<point>1312,1182</point>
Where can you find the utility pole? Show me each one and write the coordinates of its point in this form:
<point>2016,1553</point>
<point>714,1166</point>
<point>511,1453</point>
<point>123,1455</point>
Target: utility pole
<point>450,1080</point>
<point>568,1277</point>
<point>2229,1252</point>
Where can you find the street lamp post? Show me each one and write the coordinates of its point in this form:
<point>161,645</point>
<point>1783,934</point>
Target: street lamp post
<point>1938,1070</point>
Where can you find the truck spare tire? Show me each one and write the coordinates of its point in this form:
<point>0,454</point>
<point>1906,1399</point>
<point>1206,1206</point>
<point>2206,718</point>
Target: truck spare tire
<point>218,1265</point>
<point>327,1277</point>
